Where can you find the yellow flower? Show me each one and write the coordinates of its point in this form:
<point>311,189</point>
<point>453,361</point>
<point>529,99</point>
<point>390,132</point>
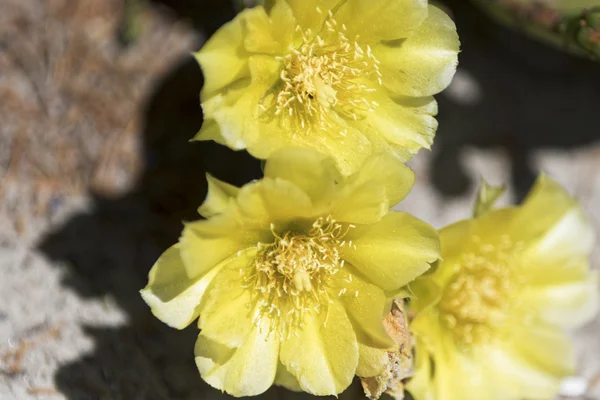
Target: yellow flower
<point>346,77</point>
<point>490,320</point>
<point>291,276</point>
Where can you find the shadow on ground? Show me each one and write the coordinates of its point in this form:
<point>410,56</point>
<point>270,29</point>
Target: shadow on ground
<point>512,93</point>
<point>111,248</point>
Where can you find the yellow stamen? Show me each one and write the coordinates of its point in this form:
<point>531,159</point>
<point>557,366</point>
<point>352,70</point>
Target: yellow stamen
<point>322,75</point>
<point>478,298</point>
<point>291,275</point>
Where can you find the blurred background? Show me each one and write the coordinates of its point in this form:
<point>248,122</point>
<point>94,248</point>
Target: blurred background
<point>98,99</point>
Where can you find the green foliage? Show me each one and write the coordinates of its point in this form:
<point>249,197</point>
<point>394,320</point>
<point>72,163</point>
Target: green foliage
<point>573,25</point>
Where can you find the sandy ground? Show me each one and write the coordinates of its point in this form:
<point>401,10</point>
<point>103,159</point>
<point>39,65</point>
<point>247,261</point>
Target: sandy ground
<point>83,212</point>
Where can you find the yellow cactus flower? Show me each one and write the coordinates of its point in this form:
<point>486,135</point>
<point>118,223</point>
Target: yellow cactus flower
<point>346,77</point>
<point>291,276</point>
<point>490,319</point>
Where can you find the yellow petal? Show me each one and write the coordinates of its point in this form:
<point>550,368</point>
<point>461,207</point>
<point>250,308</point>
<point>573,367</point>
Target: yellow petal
<point>324,354</point>
<point>287,380</point>
<point>404,124</point>
<point>366,203</point>
<point>313,172</point>
<point>420,385</point>
<point>271,201</point>
<point>397,178</point>
<point>426,294</point>
<point>570,303</point>
<point>204,244</point>
<point>546,204</point>
<point>223,59</point>
<point>311,14</point>
<point>349,149</point>
<point>245,371</point>
<point>444,372</point>
<point>366,305</point>
<point>544,347</point>
<point>520,378</point>
<point>225,312</point>
<point>217,198</point>
<point>269,34</point>
<point>173,297</point>
<point>372,361</point>
<point>377,20</point>
<point>210,131</point>
<point>424,63</point>
<point>568,238</point>
<point>236,111</point>
<point>393,251</point>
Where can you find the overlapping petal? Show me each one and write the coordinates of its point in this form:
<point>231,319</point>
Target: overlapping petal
<point>378,20</point>
<point>217,198</point>
<point>324,354</point>
<point>223,58</point>
<point>173,297</point>
<point>424,63</point>
<point>205,244</point>
<point>394,251</point>
<point>269,34</point>
<point>406,124</point>
<point>248,370</point>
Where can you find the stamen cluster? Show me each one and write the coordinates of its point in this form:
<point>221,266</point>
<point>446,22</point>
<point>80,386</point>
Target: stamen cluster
<point>325,73</point>
<point>292,274</point>
<point>477,299</point>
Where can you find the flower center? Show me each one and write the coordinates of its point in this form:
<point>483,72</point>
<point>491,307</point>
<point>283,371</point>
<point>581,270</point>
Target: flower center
<point>477,300</point>
<point>292,274</point>
<point>325,73</point>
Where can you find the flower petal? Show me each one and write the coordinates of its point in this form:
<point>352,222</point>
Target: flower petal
<point>421,385</point>
<point>546,204</point>
<point>519,377</point>
<point>312,171</point>
<point>222,58</point>
<point>269,34</point>
<point>572,301</point>
<point>445,372</point>
<point>225,312</point>
<point>287,380</point>
<point>404,124</point>
<point>324,354</point>
<point>569,238</point>
<point>271,201</point>
<point>544,347</point>
<point>377,20</point>
<point>397,178</point>
<point>372,361</point>
<point>311,14</point>
<point>366,203</point>
<point>236,111</point>
<point>349,149</point>
<point>366,305</point>
<point>204,244</point>
<point>393,251</point>
<point>173,297</point>
<point>217,198</point>
<point>424,63</point>
<point>245,371</point>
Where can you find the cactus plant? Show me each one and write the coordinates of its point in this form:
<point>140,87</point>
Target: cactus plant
<point>573,25</point>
